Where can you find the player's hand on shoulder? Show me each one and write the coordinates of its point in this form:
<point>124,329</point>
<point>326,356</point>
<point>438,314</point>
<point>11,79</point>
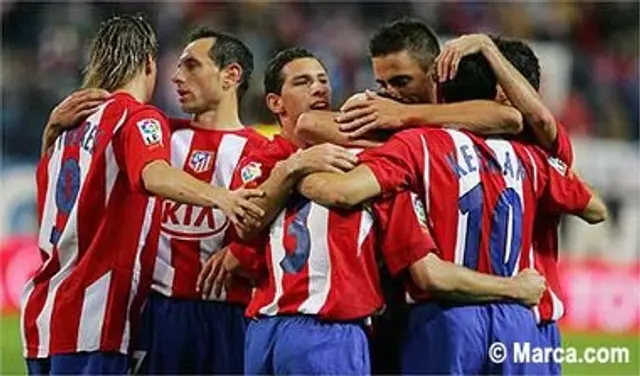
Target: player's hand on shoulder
<point>455,49</point>
<point>76,107</point>
<point>324,158</point>
<point>530,285</point>
<point>213,275</point>
<point>366,112</point>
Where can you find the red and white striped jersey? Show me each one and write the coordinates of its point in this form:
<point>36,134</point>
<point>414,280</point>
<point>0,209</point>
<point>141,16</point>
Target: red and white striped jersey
<point>98,232</point>
<point>322,261</point>
<point>190,234</point>
<point>481,194</point>
<point>545,243</point>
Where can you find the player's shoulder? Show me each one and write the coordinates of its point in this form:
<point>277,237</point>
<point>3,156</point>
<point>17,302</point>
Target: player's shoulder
<point>254,137</point>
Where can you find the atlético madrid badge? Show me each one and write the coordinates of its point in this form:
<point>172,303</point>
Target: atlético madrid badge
<point>201,161</point>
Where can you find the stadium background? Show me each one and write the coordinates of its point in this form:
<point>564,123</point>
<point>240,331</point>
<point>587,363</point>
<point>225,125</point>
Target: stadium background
<point>589,56</point>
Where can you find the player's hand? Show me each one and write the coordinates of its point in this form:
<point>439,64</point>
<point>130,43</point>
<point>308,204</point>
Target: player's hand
<point>76,107</point>
<point>236,205</point>
<point>213,275</point>
<point>362,116</point>
<point>324,158</point>
<point>454,50</point>
<point>530,286</point>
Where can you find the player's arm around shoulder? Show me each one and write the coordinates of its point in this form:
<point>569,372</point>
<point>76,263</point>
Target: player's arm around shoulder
<point>70,112</point>
<point>341,190</point>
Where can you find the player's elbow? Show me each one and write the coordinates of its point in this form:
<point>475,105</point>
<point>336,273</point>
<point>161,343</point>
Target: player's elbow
<point>513,120</point>
<point>542,120</point>
<point>596,211</point>
<point>340,198</point>
<point>430,275</point>
<point>154,177</point>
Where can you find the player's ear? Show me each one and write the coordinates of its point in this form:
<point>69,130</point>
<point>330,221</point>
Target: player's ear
<point>231,76</point>
<point>149,65</point>
<point>274,102</point>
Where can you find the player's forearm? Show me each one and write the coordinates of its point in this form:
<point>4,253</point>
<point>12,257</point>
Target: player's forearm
<point>596,210</point>
<point>160,179</point>
<point>523,96</point>
<point>453,282</point>
<point>277,189</point>
<point>340,190</point>
<point>317,127</point>
<point>478,116</point>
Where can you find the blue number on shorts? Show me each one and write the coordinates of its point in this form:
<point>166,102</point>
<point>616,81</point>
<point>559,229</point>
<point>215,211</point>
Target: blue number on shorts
<point>67,189</point>
<point>294,262</point>
<point>508,201</point>
<point>471,203</point>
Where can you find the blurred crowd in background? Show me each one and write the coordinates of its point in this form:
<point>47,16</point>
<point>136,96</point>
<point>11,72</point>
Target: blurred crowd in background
<point>588,51</point>
<point>45,48</point>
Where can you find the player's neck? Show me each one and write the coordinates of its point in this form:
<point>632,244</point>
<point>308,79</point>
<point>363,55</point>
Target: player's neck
<point>136,88</point>
<point>288,132</point>
<point>224,117</point>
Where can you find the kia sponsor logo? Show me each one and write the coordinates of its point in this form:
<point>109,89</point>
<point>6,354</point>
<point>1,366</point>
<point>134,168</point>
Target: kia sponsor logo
<point>192,222</point>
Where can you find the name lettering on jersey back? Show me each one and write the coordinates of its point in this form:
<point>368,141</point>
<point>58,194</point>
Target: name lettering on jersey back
<point>192,222</point>
<point>85,136</point>
<point>473,160</point>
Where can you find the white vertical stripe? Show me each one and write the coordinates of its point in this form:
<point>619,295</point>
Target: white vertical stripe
<point>67,254</point>
<point>26,294</point>
<point>558,306</point>
<point>229,153</point>
<point>276,243</point>
<point>535,170</point>
<point>427,178</point>
<point>366,223</point>
<point>465,183</point>
<point>319,260</point>
<point>180,147</point>
<point>94,306</point>
<point>137,270</point>
<point>112,171</point>
<point>112,168</point>
<point>50,208</point>
<point>163,272</point>
<point>503,151</point>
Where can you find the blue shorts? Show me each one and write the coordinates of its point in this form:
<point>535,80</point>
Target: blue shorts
<point>551,336</point>
<point>84,363</point>
<point>286,345</point>
<point>190,337</point>
<point>446,338</point>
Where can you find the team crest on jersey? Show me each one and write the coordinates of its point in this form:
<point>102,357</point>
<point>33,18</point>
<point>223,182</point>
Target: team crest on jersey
<point>559,165</point>
<point>251,172</point>
<point>418,208</point>
<point>201,161</point>
<point>150,131</point>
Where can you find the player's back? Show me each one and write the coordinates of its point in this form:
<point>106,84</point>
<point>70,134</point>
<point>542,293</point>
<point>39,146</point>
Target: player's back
<point>320,261</point>
<point>190,234</point>
<point>482,188</point>
<point>97,236</point>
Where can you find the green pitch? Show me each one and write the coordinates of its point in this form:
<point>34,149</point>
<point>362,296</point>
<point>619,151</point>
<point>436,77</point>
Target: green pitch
<point>11,362</point>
